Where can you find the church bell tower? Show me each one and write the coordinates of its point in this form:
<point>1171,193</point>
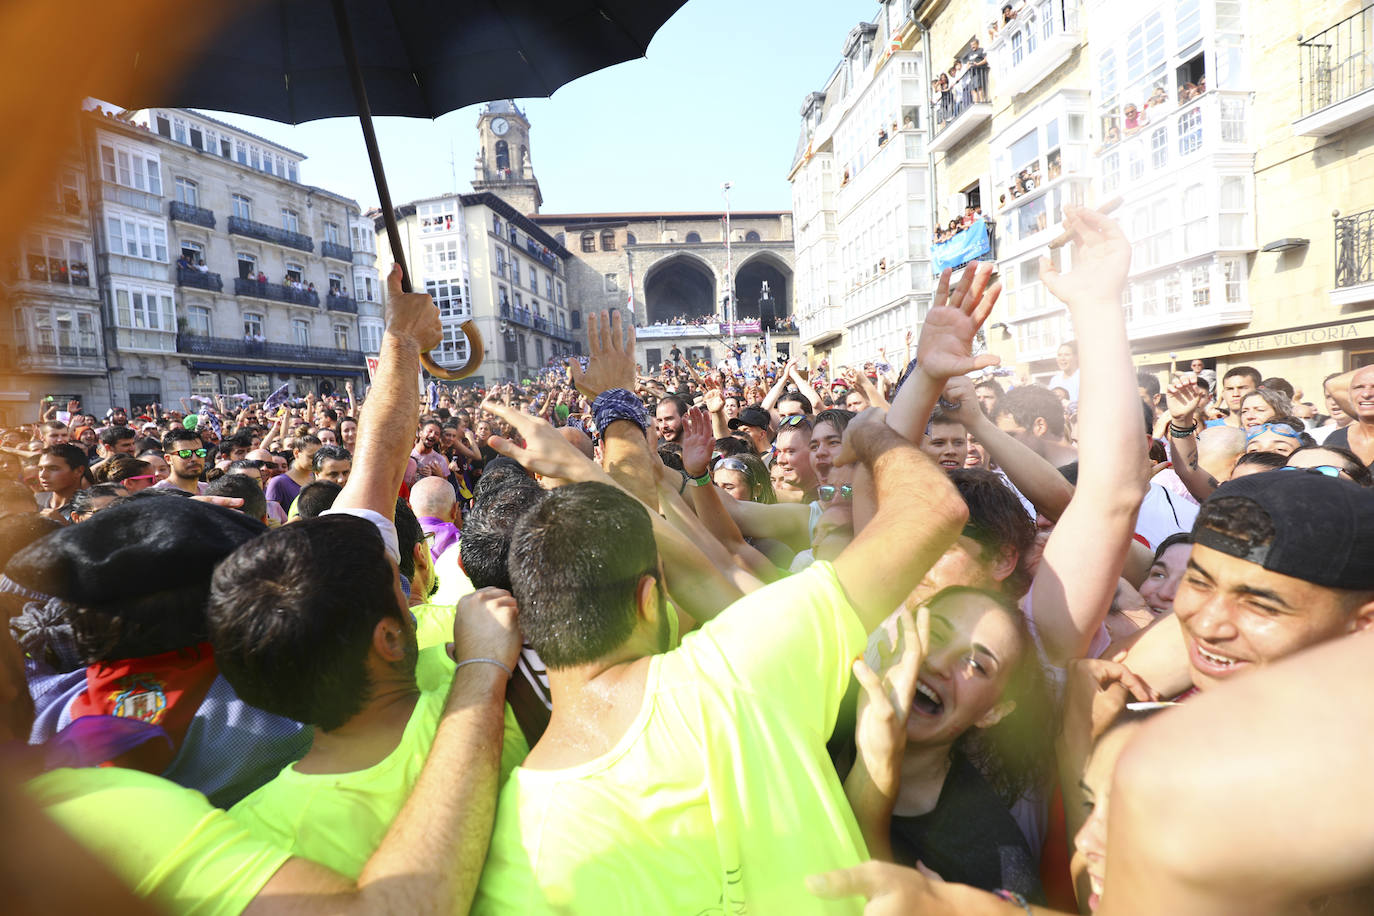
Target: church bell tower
<point>503,157</point>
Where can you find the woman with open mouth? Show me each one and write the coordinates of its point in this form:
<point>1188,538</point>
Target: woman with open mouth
<point>936,777</point>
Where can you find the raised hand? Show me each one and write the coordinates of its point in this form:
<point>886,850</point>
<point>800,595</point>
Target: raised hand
<point>697,442</point>
<point>945,348</point>
<point>486,626</point>
<point>410,317</point>
<point>885,701</point>
<point>715,401</point>
<point>961,401</point>
<point>1096,690</point>
<point>1184,398</point>
<point>611,359</point>
<point>1101,260</point>
<point>545,452</point>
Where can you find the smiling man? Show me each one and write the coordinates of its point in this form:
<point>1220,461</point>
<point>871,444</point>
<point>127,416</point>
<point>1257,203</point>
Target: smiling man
<point>945,441</point>
<point>1280,562</point>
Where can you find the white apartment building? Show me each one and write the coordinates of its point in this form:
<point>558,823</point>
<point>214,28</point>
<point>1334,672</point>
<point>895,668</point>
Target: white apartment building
<point>209,266</point>
<point>480,258</point>
<point>861,199</point>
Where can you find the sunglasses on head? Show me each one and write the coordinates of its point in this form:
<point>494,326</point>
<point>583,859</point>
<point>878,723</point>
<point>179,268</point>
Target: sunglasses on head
<point>140,477</point>
<point>827,492</point>
<point>1325,470</point>
<point>1278,429</point>
<point>185,453</point>
<point>794,420</point>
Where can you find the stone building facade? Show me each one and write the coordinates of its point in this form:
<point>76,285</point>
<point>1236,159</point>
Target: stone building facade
<point>674,269</point>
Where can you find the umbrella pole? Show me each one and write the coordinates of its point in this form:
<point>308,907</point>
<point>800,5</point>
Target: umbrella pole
<point>374,154</point>
<point>476,349</point>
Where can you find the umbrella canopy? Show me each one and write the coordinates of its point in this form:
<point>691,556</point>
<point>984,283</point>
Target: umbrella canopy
<point>282,59</point>
<point>300,60</point>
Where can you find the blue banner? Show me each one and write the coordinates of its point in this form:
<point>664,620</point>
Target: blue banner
<point>968,245</point>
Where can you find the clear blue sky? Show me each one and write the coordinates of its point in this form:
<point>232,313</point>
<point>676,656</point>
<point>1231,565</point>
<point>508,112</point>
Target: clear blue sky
<point>717,98</point>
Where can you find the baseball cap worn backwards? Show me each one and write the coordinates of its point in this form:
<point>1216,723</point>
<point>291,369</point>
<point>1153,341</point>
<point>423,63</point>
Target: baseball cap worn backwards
<point>1322,527</point>
<point>751,416</point>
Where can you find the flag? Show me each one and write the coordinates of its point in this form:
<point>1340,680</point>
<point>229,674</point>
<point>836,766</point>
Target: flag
<point>276,398</point>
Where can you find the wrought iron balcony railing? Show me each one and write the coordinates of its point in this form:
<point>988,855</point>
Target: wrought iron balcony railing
<point>189,276</point>
<point>263,232</point>
<point>186,213</point>
<point>246,286</point>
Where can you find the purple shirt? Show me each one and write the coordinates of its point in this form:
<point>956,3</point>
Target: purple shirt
<point>446,535</point>
<point>283,490</point>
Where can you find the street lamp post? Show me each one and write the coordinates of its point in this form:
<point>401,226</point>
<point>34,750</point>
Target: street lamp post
<point>729,268</point>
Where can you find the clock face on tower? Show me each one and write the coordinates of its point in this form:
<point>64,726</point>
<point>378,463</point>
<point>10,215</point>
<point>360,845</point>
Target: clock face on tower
<point>500,126</point>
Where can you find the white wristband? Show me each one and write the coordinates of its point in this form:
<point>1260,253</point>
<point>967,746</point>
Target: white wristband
<point>489,661</point>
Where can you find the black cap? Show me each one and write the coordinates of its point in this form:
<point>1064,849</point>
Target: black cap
<point>752,416</point>
<point>138,573</point>
<point>1323,527</point>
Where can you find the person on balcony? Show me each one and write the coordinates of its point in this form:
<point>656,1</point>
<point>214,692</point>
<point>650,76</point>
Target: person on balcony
<point>976,59</point>
<point>1158,97</point>
<point>201,268</point>
<point>183,263</point>
<point>1135,119</point>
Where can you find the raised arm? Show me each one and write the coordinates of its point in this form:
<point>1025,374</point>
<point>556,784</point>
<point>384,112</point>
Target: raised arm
<point>1083,558</point>
<point>945,348</point>
<point>611,366</point>
<point>1185,400</point>
<point>887,559</point>
<point>805,387</point>
<point>387,425</point>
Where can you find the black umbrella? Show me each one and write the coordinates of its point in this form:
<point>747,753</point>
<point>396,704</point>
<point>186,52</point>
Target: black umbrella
<point>297,60</point>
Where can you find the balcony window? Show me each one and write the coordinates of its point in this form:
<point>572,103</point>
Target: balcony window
<point>295,273</point>
<point>188,192</point>
<point>331,233</point>
<point>1159,148</point>
<point>243,206</point>
<point>341,337</point>
<point>131,168</point>
<point>448,296</point>
<point>248,267</point>
<point>1190,131</point>
<point>1201,281</point>
<point>136,238</point>
<point>515,270</point>
<point>290,220</point>
<point>300,332</point>
<point>198,321</point>
<point>143,309</point>
<point>252,326</point>
<point>336,287</point>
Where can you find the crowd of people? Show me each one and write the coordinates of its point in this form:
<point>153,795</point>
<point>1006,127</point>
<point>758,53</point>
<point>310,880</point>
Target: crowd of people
<point>705,640</point>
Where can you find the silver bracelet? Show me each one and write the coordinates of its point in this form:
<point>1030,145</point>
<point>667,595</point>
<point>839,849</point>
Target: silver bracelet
<point>489,661</point>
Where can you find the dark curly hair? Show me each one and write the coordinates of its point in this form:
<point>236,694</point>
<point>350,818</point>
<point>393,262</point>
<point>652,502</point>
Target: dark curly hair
<point>997,521</point>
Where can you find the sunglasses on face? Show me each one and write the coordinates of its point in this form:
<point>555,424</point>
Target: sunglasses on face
<point>1325,470</point>
<point>184,453</point>
<point>827,492</point>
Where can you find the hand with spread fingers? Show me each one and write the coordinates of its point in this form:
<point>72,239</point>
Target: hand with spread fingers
<point>545,452</point>
<point>697,442</point>
<point>885,702</point>
<point>945,347</point>
<point>610,356</point>
<point>1185,398</point>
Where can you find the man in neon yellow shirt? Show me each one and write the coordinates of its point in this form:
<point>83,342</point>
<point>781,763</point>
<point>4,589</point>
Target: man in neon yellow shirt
<point>306,622</point>
<point>694,780</point>
<point>171,846</point>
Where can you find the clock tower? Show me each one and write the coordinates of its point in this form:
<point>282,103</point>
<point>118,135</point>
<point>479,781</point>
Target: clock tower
<point>503,157</point>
